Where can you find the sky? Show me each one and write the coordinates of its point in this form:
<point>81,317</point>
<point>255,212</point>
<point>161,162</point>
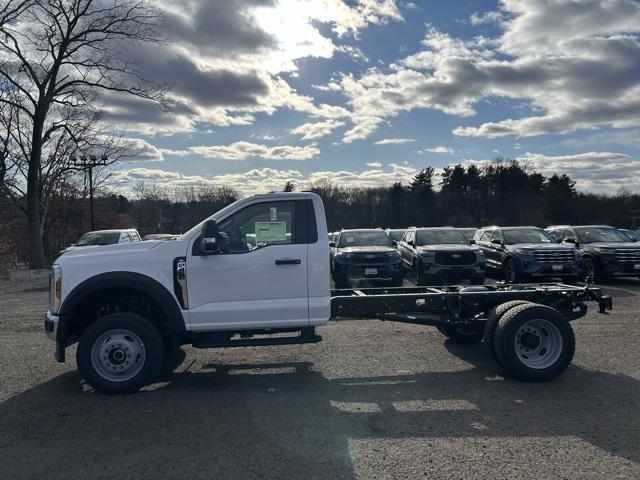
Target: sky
<point>368,92</point>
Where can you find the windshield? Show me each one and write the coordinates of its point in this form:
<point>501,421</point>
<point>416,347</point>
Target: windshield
<point>632,234</point>
<point>468,232</point>
<point>527,235</point>
<point>439,237</point>
<point>600,234</point>
<point>98,238</point>
<point>396,235</point>
<point>364,239</point>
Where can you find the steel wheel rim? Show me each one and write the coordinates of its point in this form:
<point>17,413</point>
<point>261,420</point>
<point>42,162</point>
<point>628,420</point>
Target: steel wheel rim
<point>118,355</point>
<point>538,343</point>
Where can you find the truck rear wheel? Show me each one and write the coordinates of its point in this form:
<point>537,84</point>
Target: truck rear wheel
<point>534,342</point>
<point>120,353</point>
<point>462,335</point>
<point>490,325</point>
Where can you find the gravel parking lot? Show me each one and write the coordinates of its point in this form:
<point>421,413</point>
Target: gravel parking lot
<point>373,400</point>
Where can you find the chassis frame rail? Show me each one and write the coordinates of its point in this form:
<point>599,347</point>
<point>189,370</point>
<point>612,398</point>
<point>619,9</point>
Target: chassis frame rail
<point>459,304</point>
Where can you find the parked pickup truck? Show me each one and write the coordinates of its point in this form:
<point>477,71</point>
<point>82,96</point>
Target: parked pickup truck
<point>129,307</point>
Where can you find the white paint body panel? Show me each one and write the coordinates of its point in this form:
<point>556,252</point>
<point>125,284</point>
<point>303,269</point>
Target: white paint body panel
<point>226,292</point>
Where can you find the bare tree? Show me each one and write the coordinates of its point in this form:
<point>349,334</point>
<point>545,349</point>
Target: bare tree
<point>56,58</point>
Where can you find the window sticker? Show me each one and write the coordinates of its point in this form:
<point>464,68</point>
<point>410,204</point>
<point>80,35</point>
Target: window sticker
<point>271,231</point>
<point>349,239</point>
<point>273,214</point>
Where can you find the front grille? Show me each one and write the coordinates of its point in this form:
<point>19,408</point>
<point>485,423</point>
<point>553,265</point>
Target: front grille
<point>628,256</point>
<point>554,256</point>
<point>455,258</point>
<point>369,258</point>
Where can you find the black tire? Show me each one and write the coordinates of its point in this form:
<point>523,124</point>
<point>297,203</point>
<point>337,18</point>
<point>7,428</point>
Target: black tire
<point>592,269</point>
<point>149,337</point>
<point>505,337</point>
<point>463,336</point>
<point>492,320</point>
<point>173,358</point>
<point>418,273</point>
<point>511,272</point>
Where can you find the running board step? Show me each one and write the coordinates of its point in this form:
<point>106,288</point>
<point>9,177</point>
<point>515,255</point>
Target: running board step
<point>206,342</point>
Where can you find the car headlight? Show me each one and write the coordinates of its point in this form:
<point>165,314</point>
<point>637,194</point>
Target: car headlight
<point>578,254</point>
<point>55,289</point>
<point>524,253</point>
<point>343,257</point>
<point>605,251</point>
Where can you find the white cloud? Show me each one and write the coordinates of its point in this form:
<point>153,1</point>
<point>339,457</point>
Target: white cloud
<point>315,130</point>
<point>486,17</point>
<point>574,63</point>
<point>439,149</point>
<point>245,150</point>
<point>262,180</point>
<point>394,141</point>
<point>139,150</point>
<point>374,164</point>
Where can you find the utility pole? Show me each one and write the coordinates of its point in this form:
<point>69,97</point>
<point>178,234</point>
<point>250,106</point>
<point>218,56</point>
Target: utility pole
<point>87,164</point>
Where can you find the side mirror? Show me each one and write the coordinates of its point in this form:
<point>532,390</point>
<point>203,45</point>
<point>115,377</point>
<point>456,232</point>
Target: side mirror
<point>333,244</point>
<point>394,243</point>
<point>570,240</point>
<point>209,238</point>
<point>472,242</point>
<point>496,241</point>
<point>410,242</point>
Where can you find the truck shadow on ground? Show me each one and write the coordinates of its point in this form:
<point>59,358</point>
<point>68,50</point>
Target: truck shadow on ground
<point>286,420</point>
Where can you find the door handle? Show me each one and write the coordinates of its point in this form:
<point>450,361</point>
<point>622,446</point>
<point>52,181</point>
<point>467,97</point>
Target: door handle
<point>288,261</point>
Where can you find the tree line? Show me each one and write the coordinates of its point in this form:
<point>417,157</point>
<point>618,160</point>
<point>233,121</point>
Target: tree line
<point>502,192</point>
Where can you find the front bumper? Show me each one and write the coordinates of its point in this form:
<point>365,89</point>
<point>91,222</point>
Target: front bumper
<point>383,273</point>
<point>537,269</point>
<point>454,272</point>
<point>51,323</point>
<point>614,268</point>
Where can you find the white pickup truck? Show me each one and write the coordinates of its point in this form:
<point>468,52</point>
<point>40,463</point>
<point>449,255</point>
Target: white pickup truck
<point>257,273</point>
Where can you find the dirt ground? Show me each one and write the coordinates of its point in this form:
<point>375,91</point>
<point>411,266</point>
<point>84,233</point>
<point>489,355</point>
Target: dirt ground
<point>371,401</point>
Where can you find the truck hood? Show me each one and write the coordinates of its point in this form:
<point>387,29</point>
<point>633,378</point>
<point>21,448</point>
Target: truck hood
<point>117,249</point>
<point>540,246</point>
<point>366,249</point>
<point>612,245</point>
<point>447,248</point>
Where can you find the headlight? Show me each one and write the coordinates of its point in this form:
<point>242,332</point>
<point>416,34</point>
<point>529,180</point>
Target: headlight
<point>605,251</point>
<point>55,289</point>
<point>526,253</point>
<point>578,254</point>
<point>343,257</point>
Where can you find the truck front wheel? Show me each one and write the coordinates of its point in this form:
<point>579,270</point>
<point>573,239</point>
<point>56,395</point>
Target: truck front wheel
<point>120,353</point>
<point>534,342</point>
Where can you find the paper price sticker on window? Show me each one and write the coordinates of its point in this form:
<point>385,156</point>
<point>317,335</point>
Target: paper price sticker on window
<point>271,231</point>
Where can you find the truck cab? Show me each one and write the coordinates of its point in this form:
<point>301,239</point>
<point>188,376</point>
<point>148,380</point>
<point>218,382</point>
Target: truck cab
<point>260,263</point>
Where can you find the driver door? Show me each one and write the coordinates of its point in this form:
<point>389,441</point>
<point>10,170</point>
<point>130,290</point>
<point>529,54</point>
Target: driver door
<point>260,274</point>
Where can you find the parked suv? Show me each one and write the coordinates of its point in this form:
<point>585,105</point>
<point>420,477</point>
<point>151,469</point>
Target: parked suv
<point>365,255</point>
<point>105,237</point>
<point>606,251</point>
<point>525,252</point>
<point>441,255</point>
<point>395,234</point>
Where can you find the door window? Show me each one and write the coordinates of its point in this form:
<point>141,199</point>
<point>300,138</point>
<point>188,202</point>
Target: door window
<point>258,226</point>
<point>124,238</point>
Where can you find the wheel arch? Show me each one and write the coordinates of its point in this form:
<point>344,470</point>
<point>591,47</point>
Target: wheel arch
<point>102,287</point>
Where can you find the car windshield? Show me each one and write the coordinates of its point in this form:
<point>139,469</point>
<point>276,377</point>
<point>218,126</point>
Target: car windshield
<point>439,237</point>
<point>600,234</point>
<point>364,239</point>
<point>98,238</point>
<point>396,235</point>
<point>632,234</point>
<point>526,235</point>
<point>468,232</point>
